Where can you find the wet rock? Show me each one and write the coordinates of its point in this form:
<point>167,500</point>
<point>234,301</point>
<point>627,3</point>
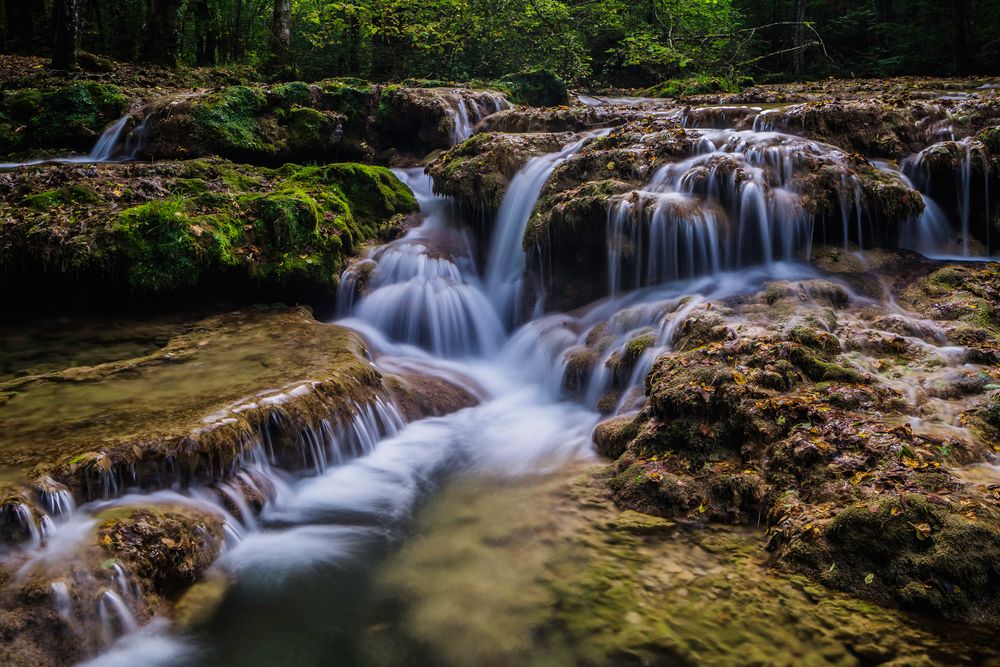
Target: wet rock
<point>168,547</point>
<point>477,171</point>
<point>788,422</point>
<point>554,120</point>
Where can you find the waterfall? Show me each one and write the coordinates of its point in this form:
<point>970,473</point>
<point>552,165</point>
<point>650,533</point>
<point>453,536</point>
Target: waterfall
<point>733,204</point>
<point>424,288</point>
<point>506,263</point>
<point>105,147</point>
<point>116,618</point>
<point>932,233</point>
<point>466,108</point>
<point>105,150</point>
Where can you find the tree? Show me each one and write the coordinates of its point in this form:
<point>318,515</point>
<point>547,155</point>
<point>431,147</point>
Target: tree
<point>163,34</point>
<point>206,32</point>
<point>281,35</point>
<point>66,32</point>
<point>799,55</point>
<point>20,32</point>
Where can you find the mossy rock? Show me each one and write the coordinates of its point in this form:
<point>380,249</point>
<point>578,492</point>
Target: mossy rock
<point>70,117</point>
<point>170,227</point>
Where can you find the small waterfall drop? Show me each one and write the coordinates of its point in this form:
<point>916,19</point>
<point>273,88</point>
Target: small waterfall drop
<point>506,263</point>
<point>116,618</point>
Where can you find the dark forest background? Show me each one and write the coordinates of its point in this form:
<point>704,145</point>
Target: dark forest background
<point>621,43</point>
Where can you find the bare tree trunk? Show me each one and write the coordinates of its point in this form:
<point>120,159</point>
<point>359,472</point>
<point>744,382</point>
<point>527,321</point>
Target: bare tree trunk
<point>959,16</point>
<point>20,18</point>
<point>799,34</point>
<point>66,33</point>
<point>163,33</point>
<point>281,34</point>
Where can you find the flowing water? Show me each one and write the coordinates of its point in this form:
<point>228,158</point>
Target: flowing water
<point>120,142</point>
<point>299,575</point>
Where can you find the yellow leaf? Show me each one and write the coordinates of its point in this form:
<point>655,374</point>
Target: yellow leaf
<point>739,378</point>
<point>922,530</point>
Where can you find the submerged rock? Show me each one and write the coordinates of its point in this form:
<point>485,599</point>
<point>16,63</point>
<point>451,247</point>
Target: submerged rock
<point>575,581</point>
<point>268,386</point>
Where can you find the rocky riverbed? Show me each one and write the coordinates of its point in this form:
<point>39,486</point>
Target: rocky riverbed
<point>654,380</point>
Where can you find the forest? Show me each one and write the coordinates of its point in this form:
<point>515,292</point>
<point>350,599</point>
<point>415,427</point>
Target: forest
<point>613,43</point>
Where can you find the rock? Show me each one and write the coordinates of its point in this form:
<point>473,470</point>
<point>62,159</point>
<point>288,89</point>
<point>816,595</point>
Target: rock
<point>774,419</point>
<point>536,88</point>
<point>161,229</point>
<point>170,548</point>
<point>477,171</point>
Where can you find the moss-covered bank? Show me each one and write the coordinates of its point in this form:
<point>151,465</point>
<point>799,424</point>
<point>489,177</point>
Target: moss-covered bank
<point>154,230</point>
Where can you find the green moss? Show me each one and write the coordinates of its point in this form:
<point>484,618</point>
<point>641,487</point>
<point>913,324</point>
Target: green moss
<point>990,137</point>
<point>697,85</point>
<point>74,115</point>
<point>23,105</point>
<point>70,194</point>
<point>162,250</point>
<point>227,121</point>
<point>295,93</point>
<point>311,131</point>
<point>822,370</point>
<point>43,200</point>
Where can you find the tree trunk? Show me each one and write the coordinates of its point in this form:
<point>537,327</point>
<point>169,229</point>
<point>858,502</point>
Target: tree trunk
<point>798,36</point>
<point>206,33</point>
<point>163,33</point>
<point>281,34</point>
<point>20,19</point>
<point>959,16</point>
<point>354,46</point>
<point>66,33</point>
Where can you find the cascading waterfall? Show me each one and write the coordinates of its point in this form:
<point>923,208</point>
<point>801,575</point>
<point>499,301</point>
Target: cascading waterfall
<point>423,289</point>
<point>678,243</point>
<point>116,618</point>
<point>733,204</point>
<point>506,263</point>
<point>932,233</point>
<point>118,143</point>
<point>467,108</point>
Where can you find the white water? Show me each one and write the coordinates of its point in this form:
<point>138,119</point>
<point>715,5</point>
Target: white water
<point>506,263</point>
<point>108,148</point>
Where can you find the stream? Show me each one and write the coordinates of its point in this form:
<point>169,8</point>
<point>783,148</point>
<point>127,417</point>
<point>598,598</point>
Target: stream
<point>299,579</point>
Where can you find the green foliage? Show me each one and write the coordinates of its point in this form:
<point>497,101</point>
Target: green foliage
<point>697,86</point>
<point>536,87</point>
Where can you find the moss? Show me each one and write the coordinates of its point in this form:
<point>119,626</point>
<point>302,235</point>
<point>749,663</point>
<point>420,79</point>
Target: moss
<point>294,93</point>
<point>170,547</point>
<point>70,194</point>
<point>311,131</point>
<point>819,369</point>
<point>536,87</point>
<point>227,121</point>
<point>161,248</point>
<point>23,105</point>
<point>74,115</point>
<point>698,85</point>
<point>990,138</point>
